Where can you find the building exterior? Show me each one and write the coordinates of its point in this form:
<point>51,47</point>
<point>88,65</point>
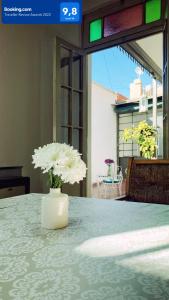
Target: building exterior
<point>136,89</point>
<point>103,129</point>
<point>110,114</point>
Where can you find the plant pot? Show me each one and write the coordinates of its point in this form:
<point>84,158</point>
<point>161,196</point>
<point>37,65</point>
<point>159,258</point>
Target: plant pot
<point>54,210</point>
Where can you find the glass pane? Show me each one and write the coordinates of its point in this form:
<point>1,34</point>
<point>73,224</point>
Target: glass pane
<point>126,115</point>
<point>64,106</point>
<point>121,147</point>
<point>76,110</point>
<point>125,154</point>
<point>135,152</point>
<point>77,72</point>
<point>96,30</point>
<point>127,147</point>
<point>64,135</point>
<point>139,117</point>
<point>122,126</point>
<point>153,10</point>
<point>76,139</point>
<point>65,67</point>
<point>123,20</point>
<point>125,120</point>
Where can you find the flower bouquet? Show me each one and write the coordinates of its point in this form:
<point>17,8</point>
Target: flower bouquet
<point>63,164</point>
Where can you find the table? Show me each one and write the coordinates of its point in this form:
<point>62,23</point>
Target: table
<point>108,188</point>
<point>110,250</point>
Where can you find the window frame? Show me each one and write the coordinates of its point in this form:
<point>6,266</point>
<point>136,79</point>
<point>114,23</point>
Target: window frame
<point>121,37</point>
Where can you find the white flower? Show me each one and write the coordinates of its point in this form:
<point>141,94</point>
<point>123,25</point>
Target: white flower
<point>62,160</point>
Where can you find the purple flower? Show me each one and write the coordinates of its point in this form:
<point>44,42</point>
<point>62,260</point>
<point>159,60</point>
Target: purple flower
<point>109,161</point>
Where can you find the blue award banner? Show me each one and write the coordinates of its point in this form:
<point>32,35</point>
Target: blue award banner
<point>41,11</point>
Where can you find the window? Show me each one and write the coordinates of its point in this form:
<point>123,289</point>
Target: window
<point>96,30</point>
<point>128,18</point>
<point>123,20</point>
<point>153,11</point>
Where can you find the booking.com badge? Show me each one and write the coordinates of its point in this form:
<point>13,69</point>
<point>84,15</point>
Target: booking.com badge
<point>41,11</point>
<point>70,12</point>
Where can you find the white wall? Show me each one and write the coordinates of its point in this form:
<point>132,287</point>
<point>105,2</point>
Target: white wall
<point>103,130</point>
<point>26,92</point>
<point>69,32</point>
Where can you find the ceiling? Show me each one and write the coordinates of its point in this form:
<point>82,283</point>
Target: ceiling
<point>153,46</point>
<point>91,5</point>
<point>148,52</point>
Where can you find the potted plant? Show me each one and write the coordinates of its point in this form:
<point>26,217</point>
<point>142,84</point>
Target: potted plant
<point>109,163</point>
<point>145,136</point>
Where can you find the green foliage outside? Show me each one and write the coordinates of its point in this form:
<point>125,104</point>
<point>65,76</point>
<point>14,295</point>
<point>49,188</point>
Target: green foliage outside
<point>145,136</point>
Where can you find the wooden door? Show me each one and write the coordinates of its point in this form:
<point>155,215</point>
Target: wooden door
<point>71,107</point>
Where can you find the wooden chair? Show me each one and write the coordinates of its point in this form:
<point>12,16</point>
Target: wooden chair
<point>147,181</point>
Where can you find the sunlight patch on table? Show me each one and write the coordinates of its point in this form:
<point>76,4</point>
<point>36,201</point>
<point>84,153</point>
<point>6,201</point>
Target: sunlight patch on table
<point>156,263</point>
<point>125,243</point>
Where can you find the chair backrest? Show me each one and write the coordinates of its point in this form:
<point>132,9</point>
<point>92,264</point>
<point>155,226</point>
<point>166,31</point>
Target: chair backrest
<point>118,174</point>
<point>148,181</point>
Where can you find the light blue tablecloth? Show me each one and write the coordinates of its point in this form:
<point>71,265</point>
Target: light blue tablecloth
<point>110,250</point>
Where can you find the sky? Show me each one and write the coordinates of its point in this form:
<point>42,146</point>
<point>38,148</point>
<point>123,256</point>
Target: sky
<point>115,70</point>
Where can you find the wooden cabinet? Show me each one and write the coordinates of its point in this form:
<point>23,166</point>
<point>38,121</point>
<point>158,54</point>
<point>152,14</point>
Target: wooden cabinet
<point>12,183</point>
<point>12,191</point>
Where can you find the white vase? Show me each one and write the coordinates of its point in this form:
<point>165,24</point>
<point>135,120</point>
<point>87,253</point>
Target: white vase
<point>54,210</point>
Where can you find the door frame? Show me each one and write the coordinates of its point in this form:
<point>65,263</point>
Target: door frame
<point>166,90</point>
<point>143,31</point>
<point>57,94</point>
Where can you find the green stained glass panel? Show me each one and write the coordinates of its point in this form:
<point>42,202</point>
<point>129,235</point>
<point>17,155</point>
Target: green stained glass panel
<point>153,11</point>
<point>96,30</point>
